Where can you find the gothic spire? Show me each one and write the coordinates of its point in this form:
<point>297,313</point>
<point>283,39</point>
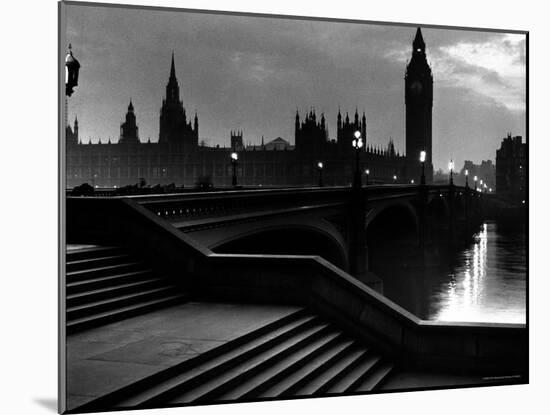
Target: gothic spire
<point>418,43</point>
<point>172,68</point>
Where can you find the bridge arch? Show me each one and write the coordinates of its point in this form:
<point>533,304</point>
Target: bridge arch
<point>392,214</point>
<point>392,236</point>
<point>288,239</point>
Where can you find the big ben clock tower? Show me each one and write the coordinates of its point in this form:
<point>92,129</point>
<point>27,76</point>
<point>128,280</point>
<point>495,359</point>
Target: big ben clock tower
<point>418,105</point>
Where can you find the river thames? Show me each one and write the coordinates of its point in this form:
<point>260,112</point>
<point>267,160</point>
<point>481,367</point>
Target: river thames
<point>484,281</point>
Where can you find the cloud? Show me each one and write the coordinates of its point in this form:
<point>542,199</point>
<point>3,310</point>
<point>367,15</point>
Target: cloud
<point>493,68</point>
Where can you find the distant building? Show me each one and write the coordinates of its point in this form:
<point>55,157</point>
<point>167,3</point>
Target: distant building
<point>485,171</point>
<point>511,169</point>
<point>181,157</point>
<point>278,144</point>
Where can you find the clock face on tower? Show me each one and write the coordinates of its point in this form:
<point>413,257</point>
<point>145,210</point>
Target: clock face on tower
<point>416,88</point>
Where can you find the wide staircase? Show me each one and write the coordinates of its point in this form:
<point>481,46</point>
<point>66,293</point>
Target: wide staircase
<point>300,354</point>
<point>108,283</point>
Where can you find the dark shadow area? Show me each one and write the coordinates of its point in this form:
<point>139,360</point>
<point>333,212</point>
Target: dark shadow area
<point>394,253</point>
<point>392,236</point>
<point>289,241</point>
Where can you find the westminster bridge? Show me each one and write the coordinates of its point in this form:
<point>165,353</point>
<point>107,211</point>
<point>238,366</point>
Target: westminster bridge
<point>309,247</point>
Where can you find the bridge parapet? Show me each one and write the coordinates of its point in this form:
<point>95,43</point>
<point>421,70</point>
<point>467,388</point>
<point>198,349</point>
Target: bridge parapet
<point>179,207</point>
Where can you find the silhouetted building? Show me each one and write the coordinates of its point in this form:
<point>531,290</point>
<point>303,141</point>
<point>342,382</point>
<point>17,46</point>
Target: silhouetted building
<point>485,171</point>
<point>278,144</point>
<point>311,136</point>
<point>346,132</point>
<point>511,169</point>
<point>237,141</point>
<point>174,127</point>
<point>418,103</point>
<point>178,157</point>
<point>129,128</point>
<point>71,134</point>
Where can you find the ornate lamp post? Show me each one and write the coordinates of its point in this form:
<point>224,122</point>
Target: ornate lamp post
<point>466,174</point>
<point>320,168</point>
<point>367,173</point>
<point>357,144</point>
<point>451,168</point>
<point>234,160</point>
<point>475,183</point>
<point>423,162</point>
<point>72,67</point>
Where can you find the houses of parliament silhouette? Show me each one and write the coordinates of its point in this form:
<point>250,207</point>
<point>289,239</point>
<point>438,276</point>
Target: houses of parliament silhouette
<point>178,157</point>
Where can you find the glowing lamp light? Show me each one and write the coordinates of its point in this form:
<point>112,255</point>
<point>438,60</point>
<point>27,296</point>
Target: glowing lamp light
<point>394,177</point>
<point>320,164</point>
<point>466,172</point>
<point>367,172</point>
<point>357,143</point>
<point>412,181</point>
<point>422,156</point>
<point>234,156</point>
<point>451,165</point>
<point>475,178</point>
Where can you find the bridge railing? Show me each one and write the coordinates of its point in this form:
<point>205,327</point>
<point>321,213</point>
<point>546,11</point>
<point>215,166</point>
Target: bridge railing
<point>310,280</point>
<point>180,207</point>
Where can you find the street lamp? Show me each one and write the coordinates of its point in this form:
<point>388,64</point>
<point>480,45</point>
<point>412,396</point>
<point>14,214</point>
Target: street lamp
<point>423,162</point>
<point>451,168</point>
<point>367,173</point>
<point>72,67</point>
<point>234,160</point>
<point>466,174</point>
<point>412,181</point>
<point>357,144</point>
<point>475,183</point>
<point>394,179</point>
<point>320,168</point>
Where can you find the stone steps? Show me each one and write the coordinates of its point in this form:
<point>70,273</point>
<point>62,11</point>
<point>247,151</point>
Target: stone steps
<point>298,355</point>
<point>95,262</point>
<point>106,284</point>
<point>95,320</point>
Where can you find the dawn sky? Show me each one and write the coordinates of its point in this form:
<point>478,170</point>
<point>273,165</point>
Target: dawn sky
<point>252,73</point>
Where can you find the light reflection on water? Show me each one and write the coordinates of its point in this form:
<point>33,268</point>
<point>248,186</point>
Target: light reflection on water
<point>484,282</point>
